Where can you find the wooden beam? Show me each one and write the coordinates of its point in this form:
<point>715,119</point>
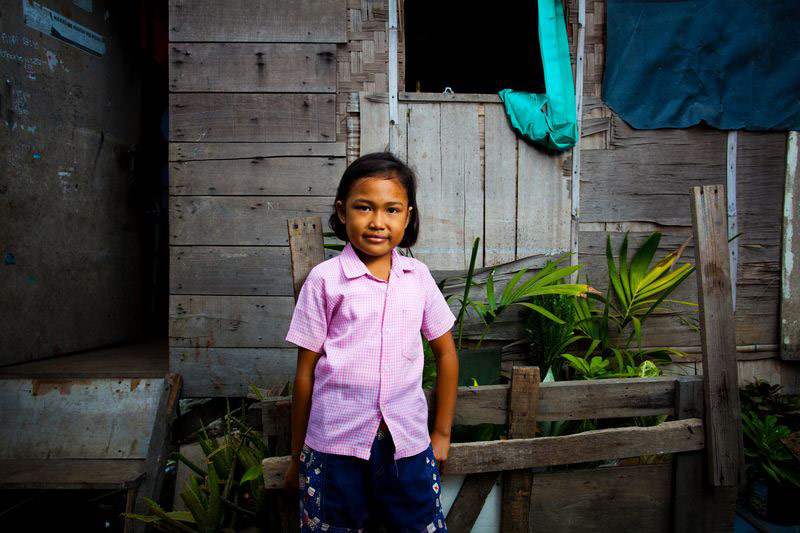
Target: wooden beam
<point>157,448</point>
<point>576,150</point>
<point>469,502</point>
<point>517,485</point>
<point>733,224</point>
<point>790,257</point>
<point>717,333</point>
<point>688,479</point>
<point>305,244</point>
<point>514,454</point>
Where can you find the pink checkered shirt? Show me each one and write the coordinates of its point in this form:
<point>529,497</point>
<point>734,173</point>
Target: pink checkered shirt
<point>368,332</point>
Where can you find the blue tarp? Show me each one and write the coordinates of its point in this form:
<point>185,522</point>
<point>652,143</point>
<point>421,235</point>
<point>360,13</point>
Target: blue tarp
<point>734,64</point>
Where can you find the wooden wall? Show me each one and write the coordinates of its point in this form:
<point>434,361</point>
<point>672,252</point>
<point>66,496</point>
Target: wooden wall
<point>258,112</point>
<point>68,229</point>
<point>639,181</point>
<point>253,141</point>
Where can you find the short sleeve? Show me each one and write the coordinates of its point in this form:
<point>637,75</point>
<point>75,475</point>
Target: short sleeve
<point>309,326</point>
<point>437,318</point>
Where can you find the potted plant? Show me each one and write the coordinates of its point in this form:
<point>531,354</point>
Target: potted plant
<point>773,472</point>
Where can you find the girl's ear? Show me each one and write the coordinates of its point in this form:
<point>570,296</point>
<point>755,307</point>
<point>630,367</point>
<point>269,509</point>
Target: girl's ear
<point>340,211</point>
<point>408,216</point>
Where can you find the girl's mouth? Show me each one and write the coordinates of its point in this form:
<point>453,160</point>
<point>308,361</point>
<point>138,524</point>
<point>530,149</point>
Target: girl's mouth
<point>376,239</point>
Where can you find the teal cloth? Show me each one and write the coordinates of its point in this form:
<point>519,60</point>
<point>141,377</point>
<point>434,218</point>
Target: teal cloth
<point>548,119</point>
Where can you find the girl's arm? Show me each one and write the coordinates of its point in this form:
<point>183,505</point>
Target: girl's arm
<point>301,407</point>
<point>446,389</point>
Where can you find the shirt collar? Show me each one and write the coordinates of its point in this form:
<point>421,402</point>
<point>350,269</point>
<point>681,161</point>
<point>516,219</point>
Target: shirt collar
<point>353,267</point>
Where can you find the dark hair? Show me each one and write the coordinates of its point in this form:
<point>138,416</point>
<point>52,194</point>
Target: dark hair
<point>379,164</point>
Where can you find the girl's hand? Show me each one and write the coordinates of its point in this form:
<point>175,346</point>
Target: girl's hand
<point>291,482</point>
<point>441,447</point>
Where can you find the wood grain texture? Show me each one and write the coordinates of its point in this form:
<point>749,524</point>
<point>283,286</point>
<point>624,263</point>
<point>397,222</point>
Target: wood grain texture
<point>252,67</point>
<point>579,500</point>
<point>239,221</point>
<point>251,117</point>
<point>723,420</point>
<point>305,244</point>
<point>212,372</point>
<point>305,176</point>
<point>522,412</point>
<point>469,502</point>
<point>63,418</point>
<point>158,447</point>
<point>543,204</point>
<point>790,272</point>
<point>262,21</point>
<point>688,479</point>
<point>229,321</point>
<point>501,188</point>
<point>647,176</point>
<point>230,270</point>
<point>70,474</point>
<point>461,191</point>
<point>201,151</point>
<point>490,456</point>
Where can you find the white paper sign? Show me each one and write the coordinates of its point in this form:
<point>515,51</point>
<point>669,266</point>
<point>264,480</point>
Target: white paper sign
<point>51,23</point>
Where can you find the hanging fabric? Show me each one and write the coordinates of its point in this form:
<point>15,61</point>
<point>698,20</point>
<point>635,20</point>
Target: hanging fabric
<point>548,119</point>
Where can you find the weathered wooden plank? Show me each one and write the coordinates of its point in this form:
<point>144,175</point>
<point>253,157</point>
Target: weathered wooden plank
<point>648,174</point>
<point>611,398</point>
<point>230,270</point>
<point>105,418</point>
<point>70,473</point>
<point>251,117</point>
<point>578,500</point>
<point>229,321</point>
<point>469,502</point>
<point>208,220</point>
<point>461,187</point>
<point>790,276</point>
<point>212,372</point>
<point>305,243</point>
<point>201,151</point>
<point>441,238</point>
<point>374,125</point>
<point>467,98</point>
<point>500,188</point>
<point>157,447</point>
<point>723,420</point>
<point>263,21</point>
<point>305,176</point>
<point>543,203</point>
<point>489,456</point>
<point>251,67</point>
<point>522,413</point>
<point>688,479</point>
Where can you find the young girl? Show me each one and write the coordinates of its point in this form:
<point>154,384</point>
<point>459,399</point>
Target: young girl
<point>361,450</point>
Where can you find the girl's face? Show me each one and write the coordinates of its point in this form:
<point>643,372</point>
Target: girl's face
<point>376,214</point>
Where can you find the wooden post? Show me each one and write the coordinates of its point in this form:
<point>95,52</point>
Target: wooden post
<point>157,448</point>
<point>790,254</point>
<point>517,485</point>
<point>306,247</point>
<point>717,333</point>
<point>688,481</point>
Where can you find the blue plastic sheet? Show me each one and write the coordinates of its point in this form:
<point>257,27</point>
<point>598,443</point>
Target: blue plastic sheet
<point>734,64</point>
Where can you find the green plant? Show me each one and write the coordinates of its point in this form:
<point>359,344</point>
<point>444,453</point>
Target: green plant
<point>227,492</point>
<point>635,292</point>
<point>517,292</point>
<point>766,399</point>
<point>767,456</point>
<point>549,339</point>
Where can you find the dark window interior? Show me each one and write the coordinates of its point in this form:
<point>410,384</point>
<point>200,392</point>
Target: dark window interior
<point>472,46</point>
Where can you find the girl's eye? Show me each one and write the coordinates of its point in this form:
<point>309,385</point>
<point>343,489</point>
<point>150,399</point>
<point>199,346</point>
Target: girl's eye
<point>393,210</point>
<point>362,207</point>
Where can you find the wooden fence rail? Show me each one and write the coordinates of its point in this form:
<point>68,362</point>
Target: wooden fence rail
<point>614,398</point>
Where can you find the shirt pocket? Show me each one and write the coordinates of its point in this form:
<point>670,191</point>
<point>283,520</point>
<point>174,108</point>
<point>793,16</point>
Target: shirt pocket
<point>410,330</point>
